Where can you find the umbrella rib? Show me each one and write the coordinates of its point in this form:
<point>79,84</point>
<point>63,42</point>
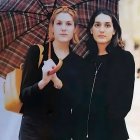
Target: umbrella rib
<point>77,4</point>
<point>22,12</point>
<point>54,6</point>
<point>25,13</point>
<point>42,6</point>
<point>27,31</point>
<point>33,27</point>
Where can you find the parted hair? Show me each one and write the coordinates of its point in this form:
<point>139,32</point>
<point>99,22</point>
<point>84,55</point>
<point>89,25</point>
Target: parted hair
<point>64,9</point>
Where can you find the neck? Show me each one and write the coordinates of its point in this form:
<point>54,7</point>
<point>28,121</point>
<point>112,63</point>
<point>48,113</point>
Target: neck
<point>63,46</point>
<point>61,49</point>
<point>102,49</point>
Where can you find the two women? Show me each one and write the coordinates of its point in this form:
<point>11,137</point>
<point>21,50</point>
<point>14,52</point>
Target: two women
<point>65,112</point>
<point>50,111</point>
<point>111,79</point>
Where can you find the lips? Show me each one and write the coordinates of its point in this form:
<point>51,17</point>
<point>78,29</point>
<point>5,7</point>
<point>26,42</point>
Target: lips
<point>63,34</point>
<point>101,36</point>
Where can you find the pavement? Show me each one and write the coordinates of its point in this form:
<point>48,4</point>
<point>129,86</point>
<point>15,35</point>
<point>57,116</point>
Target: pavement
<point>10,122</point>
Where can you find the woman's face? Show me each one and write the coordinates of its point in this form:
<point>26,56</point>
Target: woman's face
<point>63,27</point>
<point>102,29</point>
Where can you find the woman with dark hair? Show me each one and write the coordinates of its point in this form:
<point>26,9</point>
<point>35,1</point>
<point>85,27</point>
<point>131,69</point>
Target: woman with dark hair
<point>111,79</point>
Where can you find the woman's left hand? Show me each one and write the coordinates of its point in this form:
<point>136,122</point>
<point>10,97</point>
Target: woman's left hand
<point>57,82</point>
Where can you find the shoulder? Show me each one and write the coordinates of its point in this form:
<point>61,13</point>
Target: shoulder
<point>77,60</point>
<point>129,60</point>
<point>122,54</point>
<point>127,56</point>
<point>76,57</point>
<point>124,59</point>
<point>34,50</point>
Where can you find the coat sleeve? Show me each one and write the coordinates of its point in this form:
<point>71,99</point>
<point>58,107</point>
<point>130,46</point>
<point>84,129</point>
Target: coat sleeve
<point>121,86</point>
<point>29,84</point>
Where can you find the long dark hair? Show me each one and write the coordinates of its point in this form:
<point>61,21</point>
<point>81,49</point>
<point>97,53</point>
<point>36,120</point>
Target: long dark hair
<point>116,40</point>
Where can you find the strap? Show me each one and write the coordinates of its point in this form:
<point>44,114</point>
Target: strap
<point>41,48</point>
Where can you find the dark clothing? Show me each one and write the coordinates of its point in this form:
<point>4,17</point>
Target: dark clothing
<point>51,114</point>
<point>112,94</point>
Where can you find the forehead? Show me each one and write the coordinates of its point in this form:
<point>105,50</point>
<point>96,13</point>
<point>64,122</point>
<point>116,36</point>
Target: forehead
<point>103,18</point>
<point>64,17</point>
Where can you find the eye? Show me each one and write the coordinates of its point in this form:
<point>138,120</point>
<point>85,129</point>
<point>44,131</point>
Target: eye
<point>58,23</point>
<point>108,25</point>
<point>68,23</point>
<point>97,24</point>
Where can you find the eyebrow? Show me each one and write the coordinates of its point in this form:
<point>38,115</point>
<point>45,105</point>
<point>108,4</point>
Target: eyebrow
<point>100,22</point>
<point>65,20</point>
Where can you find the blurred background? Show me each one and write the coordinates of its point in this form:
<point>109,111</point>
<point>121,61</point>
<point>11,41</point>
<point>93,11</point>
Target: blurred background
<point>129,15</point>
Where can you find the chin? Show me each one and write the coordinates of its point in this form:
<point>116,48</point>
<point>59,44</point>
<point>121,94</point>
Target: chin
<point>64,40</point>
<point>102,41</point>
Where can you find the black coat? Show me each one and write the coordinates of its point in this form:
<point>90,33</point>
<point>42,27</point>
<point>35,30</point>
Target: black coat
<point>112,95</point>
<point>58,108</point>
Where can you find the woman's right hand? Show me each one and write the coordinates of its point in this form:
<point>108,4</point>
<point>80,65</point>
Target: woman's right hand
<point>48,66</point>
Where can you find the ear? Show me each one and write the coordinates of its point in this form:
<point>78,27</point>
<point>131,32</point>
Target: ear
<point>91,31</point>
<point>114,32</point>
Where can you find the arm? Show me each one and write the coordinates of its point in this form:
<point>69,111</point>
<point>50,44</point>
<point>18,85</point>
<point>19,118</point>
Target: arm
<point>121,86</point>
<point>32,83</point>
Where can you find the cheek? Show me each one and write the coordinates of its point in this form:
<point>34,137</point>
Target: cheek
<point>110,34</point>
<point>56,30</point>
<point>94,31</point>
<point>111,31</point>
<point>95,34</point>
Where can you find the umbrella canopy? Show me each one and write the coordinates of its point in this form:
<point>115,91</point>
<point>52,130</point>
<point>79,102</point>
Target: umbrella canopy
<point>24,22</point>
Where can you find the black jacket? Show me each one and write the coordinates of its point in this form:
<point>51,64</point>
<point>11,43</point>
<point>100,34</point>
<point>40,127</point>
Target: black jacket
<point>112,95</point>
<point>59,107</point>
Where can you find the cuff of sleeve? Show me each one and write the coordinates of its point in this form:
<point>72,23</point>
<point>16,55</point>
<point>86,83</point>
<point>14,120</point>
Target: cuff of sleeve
<point>35,88</point>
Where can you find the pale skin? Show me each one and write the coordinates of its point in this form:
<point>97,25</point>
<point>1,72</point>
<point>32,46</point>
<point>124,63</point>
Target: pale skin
<point>63,29</point>
<point>102,31</point>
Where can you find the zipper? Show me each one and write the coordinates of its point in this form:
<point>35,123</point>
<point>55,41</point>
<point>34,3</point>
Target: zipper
<point>91,94</point>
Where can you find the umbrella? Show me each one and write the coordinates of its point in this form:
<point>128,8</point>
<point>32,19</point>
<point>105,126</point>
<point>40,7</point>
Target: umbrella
<point>24,22</point>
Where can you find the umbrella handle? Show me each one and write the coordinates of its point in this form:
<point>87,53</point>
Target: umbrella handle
<point>21,66</point>
<point>56,68</point>
<point>49,50</point>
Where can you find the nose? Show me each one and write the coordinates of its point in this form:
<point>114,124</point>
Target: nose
<point>63,27</point>
<point>102,29</point>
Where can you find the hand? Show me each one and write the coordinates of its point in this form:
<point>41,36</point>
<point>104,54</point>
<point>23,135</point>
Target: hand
<point>48,66</point>
<point>57,82</point>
